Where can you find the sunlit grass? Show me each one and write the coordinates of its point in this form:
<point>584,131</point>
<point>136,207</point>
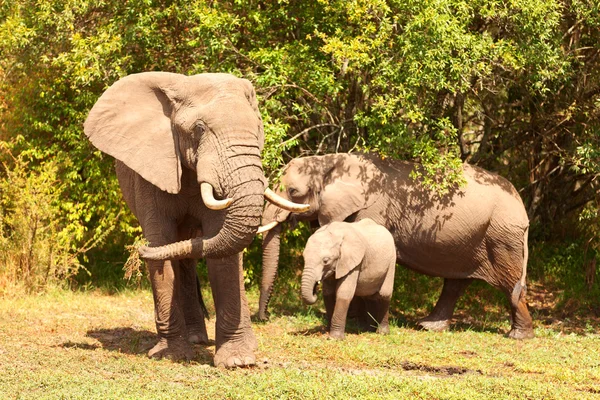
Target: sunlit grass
<point>92,345</point>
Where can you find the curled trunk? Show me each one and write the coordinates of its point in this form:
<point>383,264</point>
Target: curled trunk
<point>241,219</point>
<point>239,228</point>
<point>310,278</point>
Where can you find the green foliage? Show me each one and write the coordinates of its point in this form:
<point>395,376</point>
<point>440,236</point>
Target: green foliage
<point>512,86</point>
<point>42,237</point>
<point>568,269</point>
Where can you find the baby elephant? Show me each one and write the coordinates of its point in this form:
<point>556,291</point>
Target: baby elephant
<point>351,259</point>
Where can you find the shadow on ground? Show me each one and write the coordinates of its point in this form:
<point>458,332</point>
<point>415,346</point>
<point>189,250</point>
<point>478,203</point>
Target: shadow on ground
<point>132,341</point>
<point>481,309</point>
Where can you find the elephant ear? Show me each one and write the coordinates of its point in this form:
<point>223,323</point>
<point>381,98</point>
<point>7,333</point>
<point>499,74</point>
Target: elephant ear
<point>339,200</point>
<point>352,252</point>
<point>131,122</point>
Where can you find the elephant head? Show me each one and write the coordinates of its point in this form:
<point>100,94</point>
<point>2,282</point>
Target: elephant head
<point>158,123</point>
<point>330,251</point>
<point>336,186</point>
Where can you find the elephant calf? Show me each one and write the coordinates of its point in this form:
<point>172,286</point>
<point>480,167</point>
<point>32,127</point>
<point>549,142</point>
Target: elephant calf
<point>351,259</point>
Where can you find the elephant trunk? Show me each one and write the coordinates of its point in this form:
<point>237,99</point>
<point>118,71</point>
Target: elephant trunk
<point>310,278</point>
<point>270,261</point>
<point>239,221</point>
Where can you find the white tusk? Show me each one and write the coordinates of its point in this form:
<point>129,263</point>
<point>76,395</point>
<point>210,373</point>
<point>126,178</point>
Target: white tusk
<point>284,203</point>
<point>206,190</point>
<point>267,227</point>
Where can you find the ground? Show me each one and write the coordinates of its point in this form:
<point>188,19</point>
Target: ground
<point>93,345</point>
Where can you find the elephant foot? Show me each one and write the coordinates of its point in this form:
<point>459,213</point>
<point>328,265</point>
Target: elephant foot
<point>383,329</point>
<point>173,349</point>
<point>335,335</point>
<point>433,325</point>
<point>261,316</point>
<point>521,333</point>
<point>197,334</point>
<point>198,338</point>
<point>234,354</point>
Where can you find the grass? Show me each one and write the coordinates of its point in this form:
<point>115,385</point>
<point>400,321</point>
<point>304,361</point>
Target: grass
<point>92,345</point>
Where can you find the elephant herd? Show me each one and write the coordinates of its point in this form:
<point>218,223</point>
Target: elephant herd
<point>187,157</point>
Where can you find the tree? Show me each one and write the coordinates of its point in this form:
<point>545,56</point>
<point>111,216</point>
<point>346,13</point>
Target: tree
<point>511,86</point>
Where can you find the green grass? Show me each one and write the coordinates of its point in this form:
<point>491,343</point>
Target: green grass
<point>92,345</point>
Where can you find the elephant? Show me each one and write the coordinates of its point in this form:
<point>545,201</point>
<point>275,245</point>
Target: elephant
<point>478,230</point>
<point>351,259</point>
<point>187,158</point>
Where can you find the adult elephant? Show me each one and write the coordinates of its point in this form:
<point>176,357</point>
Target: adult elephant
<point>478,231</point>
<point>187,152</point>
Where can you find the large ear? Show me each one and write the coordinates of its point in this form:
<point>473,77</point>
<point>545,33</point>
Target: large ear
<point>340,199</point>
<point>352,252</point>
<point>131,122</point>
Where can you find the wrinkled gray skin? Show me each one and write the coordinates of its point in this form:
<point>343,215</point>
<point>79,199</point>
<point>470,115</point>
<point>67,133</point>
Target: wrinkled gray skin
<point>351,259</point>
<point>478,231</point>
<point>169,133</point>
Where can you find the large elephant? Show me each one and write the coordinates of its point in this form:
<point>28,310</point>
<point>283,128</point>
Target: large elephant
<point>477,231</point>
<point>187,152</point>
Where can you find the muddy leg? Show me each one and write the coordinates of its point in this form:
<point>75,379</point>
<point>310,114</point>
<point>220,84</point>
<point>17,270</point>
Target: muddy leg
<point>522,324</point>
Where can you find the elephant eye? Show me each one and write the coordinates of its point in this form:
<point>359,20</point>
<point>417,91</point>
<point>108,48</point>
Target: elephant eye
<point>326,260</point>
<point>198,129</point>
<point>292,192</point>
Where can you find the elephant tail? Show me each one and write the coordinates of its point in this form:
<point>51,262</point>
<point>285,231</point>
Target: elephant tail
<point>520,288</point>
<point>200,298</point>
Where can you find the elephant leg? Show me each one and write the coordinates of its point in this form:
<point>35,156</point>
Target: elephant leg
<point>191,296</point>
<point>522,324</point>
<point>235,341</point>
<point>440,317</point>
<point>346,288</point>
<point>170,321</point>
<point>508,274</point>
<point>337,325</point>
<point>192,303</point>
<point>329,286</point>
<point>377,313</point>
<point>379,303</point>
<point>357,307</point>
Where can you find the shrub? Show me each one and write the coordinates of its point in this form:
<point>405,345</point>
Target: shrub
<point>40,242</point>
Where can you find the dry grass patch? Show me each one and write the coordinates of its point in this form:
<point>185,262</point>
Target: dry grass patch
<point>91,345</point>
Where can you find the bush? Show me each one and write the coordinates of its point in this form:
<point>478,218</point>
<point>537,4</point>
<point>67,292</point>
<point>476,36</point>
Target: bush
<point>568,269</point>
<point>40,245</point>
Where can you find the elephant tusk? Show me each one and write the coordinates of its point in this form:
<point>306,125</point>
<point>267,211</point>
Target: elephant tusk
<point>206,190</point>
<point>267,227</point>
<point>284,203</point>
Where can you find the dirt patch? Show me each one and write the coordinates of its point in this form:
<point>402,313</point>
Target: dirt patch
<point>442,370</point>
<point>594,390</point>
